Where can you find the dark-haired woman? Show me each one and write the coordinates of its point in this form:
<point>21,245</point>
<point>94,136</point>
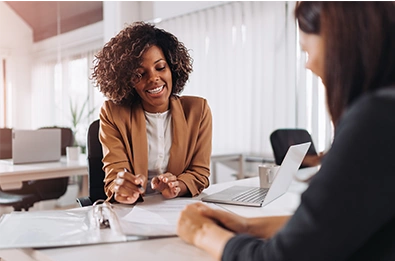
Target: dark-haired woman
<point>153,139</point>
<point>347,212</point>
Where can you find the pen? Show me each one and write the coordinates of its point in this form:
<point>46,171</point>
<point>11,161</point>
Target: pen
<point>139,185</point>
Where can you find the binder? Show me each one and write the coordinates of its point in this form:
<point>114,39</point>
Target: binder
<point>101,223</point>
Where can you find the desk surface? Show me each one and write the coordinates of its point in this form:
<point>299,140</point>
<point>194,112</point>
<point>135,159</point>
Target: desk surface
<point>11,176</point>
<point>168,248</point>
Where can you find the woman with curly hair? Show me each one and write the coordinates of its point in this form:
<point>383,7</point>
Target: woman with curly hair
<point>347,212</point>
<point>153,139</point>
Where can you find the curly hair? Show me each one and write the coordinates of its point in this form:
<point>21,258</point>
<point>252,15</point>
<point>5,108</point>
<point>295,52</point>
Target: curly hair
<point>116,64</point>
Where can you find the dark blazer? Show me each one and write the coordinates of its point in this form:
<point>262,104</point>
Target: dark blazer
<point>347,212</point>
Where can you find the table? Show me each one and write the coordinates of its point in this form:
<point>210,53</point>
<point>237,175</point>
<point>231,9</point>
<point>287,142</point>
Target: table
<point>11,176</point>
<point>166,248</point>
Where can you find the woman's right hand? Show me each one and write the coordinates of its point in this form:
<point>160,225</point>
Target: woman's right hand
<point>128,187</point>
<point>262,227</point>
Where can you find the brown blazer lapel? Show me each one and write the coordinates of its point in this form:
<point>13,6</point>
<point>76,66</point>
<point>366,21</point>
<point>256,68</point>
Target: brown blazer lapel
<point>179,147</point>
<point>139,141</point>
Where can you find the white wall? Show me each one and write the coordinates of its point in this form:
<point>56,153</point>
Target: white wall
<point>16,40</point>
<point>118,13</point>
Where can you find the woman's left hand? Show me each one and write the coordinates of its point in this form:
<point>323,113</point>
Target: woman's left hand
<point>167,184</point>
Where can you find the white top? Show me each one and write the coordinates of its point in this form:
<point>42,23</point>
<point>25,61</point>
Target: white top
<point>159,142</point>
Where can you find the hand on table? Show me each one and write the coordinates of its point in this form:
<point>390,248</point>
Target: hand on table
<point>198,226</point>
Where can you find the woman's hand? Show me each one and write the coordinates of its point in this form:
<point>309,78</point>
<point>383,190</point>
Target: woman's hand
<point>128,187</point>
<point>228,220</point>
<point>200,230</point>
<point>167,184</point>
<point>262,227</point>
<point>190,223</point>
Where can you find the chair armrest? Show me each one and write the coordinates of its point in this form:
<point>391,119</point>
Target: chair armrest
<point>84,201</point>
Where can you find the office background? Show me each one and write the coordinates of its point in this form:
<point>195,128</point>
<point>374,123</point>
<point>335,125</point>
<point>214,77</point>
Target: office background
<point>247,63</point>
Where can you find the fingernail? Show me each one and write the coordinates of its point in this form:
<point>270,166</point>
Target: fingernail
<point>116,188</point>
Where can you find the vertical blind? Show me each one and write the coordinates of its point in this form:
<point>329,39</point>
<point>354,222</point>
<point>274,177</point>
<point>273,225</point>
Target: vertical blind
<point>246,66</point>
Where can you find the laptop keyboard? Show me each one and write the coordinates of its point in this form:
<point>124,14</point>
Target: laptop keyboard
<point>253,195</point>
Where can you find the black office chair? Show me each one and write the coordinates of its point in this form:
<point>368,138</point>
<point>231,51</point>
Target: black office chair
<point>281,139</point>
<point>95,167</point>
<point>18,202</point>
<point>46,189</point>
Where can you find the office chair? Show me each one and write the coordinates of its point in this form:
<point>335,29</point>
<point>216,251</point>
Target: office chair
<point>281,139</point>
<point>95,167</point>
<point>46,189</point>
<point>18,202</point>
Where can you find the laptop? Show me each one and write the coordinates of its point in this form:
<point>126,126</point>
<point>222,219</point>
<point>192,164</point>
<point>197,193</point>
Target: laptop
<point>33,146</point>
<point>258,197</point>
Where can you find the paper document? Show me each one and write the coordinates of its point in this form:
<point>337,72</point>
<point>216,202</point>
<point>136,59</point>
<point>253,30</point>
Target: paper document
<point>155,216</point>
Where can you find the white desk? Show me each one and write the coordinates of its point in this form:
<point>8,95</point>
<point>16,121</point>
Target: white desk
<point>161,249</point>
<point>11,176</point>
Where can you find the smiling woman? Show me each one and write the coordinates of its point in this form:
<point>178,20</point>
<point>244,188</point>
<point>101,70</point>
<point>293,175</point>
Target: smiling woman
<point>151,136</point>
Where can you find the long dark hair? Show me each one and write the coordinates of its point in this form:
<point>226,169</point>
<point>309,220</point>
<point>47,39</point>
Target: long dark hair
<point>359,40</point>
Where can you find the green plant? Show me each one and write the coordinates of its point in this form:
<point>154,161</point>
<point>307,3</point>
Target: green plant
<point>78,115</point>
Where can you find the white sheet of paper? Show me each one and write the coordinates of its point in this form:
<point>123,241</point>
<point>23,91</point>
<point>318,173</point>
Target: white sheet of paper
<point>155,216</point>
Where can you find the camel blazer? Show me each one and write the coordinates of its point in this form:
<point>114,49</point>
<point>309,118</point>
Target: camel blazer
<point>124,140</point>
